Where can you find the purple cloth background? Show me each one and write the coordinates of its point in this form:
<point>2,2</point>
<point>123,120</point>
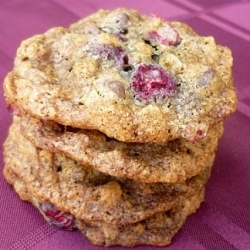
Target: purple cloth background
<point>223,221</point>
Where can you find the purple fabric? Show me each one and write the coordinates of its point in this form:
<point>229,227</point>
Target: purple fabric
<point>223,221</point>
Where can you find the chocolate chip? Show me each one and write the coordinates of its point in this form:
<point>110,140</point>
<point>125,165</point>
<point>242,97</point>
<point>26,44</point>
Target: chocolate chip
<point>121,20</point>
<point>118,88</point>
<point>206,78</point>
<point>156,58</point>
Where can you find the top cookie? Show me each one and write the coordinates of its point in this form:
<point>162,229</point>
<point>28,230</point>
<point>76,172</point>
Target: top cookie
<point>133,77</point>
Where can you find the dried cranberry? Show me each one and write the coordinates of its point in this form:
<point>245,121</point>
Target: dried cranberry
<point>151,81</point>
<point>14,110</point>
<point>62,220</point>
<point>166,35</point>
<point>194,133</point>
<point>200,134</point>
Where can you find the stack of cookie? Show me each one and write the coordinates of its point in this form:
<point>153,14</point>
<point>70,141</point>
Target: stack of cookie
<point>116,124</point>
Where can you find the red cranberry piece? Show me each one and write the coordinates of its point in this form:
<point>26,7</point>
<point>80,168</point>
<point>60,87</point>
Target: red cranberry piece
<point>152,82</point>
<point>200,134</point>
<point>56,217</point>
<point>194,133</point>
<point>166,35</point>
<point>14,110</point>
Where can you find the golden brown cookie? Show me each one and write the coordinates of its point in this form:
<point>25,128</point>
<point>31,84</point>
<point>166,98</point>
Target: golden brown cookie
<point>174,161</point>
<point>158,229</point>
<point>86,193</point>
<point>132,77</point>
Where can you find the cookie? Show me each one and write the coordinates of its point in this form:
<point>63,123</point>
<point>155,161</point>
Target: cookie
<point>157,230</point>
<point>174,161</point>
<point>133,77</point>
<point>86,193</point>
